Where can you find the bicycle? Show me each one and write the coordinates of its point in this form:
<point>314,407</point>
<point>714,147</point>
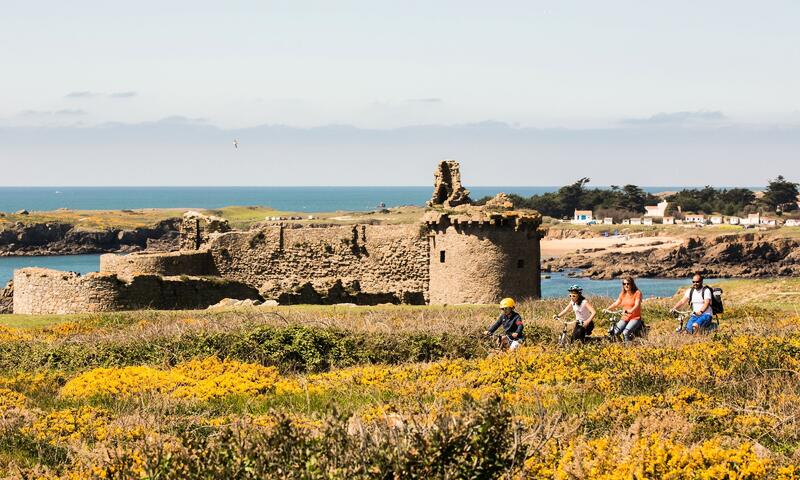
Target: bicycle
<point>614,317</point>
<point>682,315</point>
<point>500,341</point>
<point>565,338</point>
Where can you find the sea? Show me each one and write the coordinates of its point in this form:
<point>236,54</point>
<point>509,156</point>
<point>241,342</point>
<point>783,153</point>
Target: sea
<point>553,287</point>
<point>290,199</point>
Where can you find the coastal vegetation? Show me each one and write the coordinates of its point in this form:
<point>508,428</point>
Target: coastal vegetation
<point>780,195</point>
<point>399,392</point>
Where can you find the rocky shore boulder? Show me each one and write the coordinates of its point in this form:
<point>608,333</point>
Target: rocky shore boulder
<point>723,256</point>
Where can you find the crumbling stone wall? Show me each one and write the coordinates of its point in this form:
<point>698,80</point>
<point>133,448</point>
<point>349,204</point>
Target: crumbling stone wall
<point>483,261</point>
<point>196,229</point>
<point>363,264</point>
<point>44,291</point>
<point>447,188</point>
<point>194,262</point>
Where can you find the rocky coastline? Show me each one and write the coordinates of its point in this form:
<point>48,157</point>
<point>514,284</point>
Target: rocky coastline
<point>741,256</point>
<point>55,238</point>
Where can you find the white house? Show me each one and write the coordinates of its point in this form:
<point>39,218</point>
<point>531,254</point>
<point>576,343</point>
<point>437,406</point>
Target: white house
<point>626,221</point>
<point>636,221</point>
<point>734,220</point>
<point>752,219</point>
<point>647,221</point>
<point>669,220</point>
<point>771,222</point>
<point>582,217</point>
<point>792,222</point>
<point>608,221</point>
<point>716,220</point>
<point>656,210</point>
<point>694,218</point>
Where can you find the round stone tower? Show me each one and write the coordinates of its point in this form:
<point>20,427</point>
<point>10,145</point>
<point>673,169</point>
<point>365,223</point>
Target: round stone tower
<point>482,257</point>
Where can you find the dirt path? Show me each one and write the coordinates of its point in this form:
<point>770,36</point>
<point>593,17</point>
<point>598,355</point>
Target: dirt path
<point>558,248</point>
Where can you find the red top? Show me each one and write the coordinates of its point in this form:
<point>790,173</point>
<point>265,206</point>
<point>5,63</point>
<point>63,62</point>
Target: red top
<point>627,301</point>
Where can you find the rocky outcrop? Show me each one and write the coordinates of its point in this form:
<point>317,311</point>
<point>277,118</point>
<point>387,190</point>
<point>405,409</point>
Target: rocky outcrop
<point>7,298</point>
<point>723,256</point>
<point>501,200</point>
<point>447,188</point>
<point>66,239</point>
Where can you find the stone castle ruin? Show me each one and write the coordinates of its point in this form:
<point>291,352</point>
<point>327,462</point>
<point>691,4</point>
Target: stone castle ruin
<point>457,253</point>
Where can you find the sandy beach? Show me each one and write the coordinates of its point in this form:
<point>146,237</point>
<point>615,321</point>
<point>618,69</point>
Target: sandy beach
<point>560,247</point>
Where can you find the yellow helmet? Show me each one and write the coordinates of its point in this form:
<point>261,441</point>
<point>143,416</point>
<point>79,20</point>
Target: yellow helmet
<point>507,303</point>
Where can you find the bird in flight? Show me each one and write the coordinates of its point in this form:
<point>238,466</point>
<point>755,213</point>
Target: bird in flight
<point>236,143</point>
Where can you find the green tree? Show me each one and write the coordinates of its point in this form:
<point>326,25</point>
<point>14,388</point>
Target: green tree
<point>781,195</point>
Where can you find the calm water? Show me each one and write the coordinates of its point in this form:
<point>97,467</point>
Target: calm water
<point>73,263</point>
<point>303,199</point>
<point>555,286</point>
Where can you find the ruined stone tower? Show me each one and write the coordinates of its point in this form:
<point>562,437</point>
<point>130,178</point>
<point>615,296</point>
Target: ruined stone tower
<point>478,254</point>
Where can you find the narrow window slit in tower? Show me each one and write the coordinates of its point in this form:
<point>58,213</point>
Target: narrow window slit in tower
<point>441,256</point>
<point>520,263</point>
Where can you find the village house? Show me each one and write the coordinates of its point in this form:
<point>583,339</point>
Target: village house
<point>669,221</point>
<point>657,211</point>
<point>716,219</point>
<point>636,221</point>
<point>752,219</point>
<point>582,217</point>
<point>694,218</point>
<point>647,221</point>
<point>626,221</point>
<point>608,221</point>
<point>769,221</point>
<point>733,220</point>
<point>792,222</point>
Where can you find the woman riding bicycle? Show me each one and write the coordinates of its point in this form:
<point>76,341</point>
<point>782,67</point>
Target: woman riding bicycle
<point>511,321</point>
<point>584,314</point>
<point>630,299</point>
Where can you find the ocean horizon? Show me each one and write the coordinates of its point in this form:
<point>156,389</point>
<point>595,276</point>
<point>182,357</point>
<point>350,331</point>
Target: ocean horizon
<point>292,199</point>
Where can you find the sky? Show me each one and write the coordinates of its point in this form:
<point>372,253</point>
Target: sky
<point>376,92</point>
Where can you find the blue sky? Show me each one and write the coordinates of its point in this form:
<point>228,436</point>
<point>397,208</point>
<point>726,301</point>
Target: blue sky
<point>526,93</point>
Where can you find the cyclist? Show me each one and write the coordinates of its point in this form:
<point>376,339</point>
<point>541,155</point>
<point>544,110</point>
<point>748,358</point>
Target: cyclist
<point>584,314</point>
<point>511,321</point>
<point>630,299</point>
<point>699,298</point>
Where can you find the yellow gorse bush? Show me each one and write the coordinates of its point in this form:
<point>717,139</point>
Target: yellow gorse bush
<point>71,424</point>
<point>194,380</point>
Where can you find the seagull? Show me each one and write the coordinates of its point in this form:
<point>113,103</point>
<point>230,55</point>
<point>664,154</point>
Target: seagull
<point>236,143</point>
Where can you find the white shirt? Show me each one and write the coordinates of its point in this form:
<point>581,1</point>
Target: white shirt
<point>697,299</point>
<point>582,312</point>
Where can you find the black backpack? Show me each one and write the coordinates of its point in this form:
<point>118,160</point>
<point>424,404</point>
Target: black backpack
<point>716,299</point>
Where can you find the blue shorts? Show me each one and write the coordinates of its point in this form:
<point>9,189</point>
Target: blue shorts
<point>703,321</point>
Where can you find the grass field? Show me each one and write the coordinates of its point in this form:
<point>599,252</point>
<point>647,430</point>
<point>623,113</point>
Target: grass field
<point>400,392</point>
<point>238,216</point>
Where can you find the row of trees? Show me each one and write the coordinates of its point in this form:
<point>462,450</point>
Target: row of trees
<point>616,201</point>
<point>780,196</point>
<point>630,200</point>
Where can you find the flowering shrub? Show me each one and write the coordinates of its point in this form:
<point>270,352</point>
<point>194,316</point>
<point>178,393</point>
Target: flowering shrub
<point>194,380</point>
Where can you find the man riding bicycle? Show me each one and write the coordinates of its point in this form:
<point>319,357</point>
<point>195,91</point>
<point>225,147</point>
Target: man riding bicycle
<point>511,321</point>
<point>699,297</point>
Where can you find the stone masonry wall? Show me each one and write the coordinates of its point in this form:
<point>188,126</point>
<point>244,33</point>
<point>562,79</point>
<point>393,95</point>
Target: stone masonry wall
<point>363,264</point>
<point>44,291</point>
<point>483,263</point>
<point>195,262</point>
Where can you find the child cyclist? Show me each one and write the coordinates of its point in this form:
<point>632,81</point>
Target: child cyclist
<point>511,321</point>
<point>584,314</point>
